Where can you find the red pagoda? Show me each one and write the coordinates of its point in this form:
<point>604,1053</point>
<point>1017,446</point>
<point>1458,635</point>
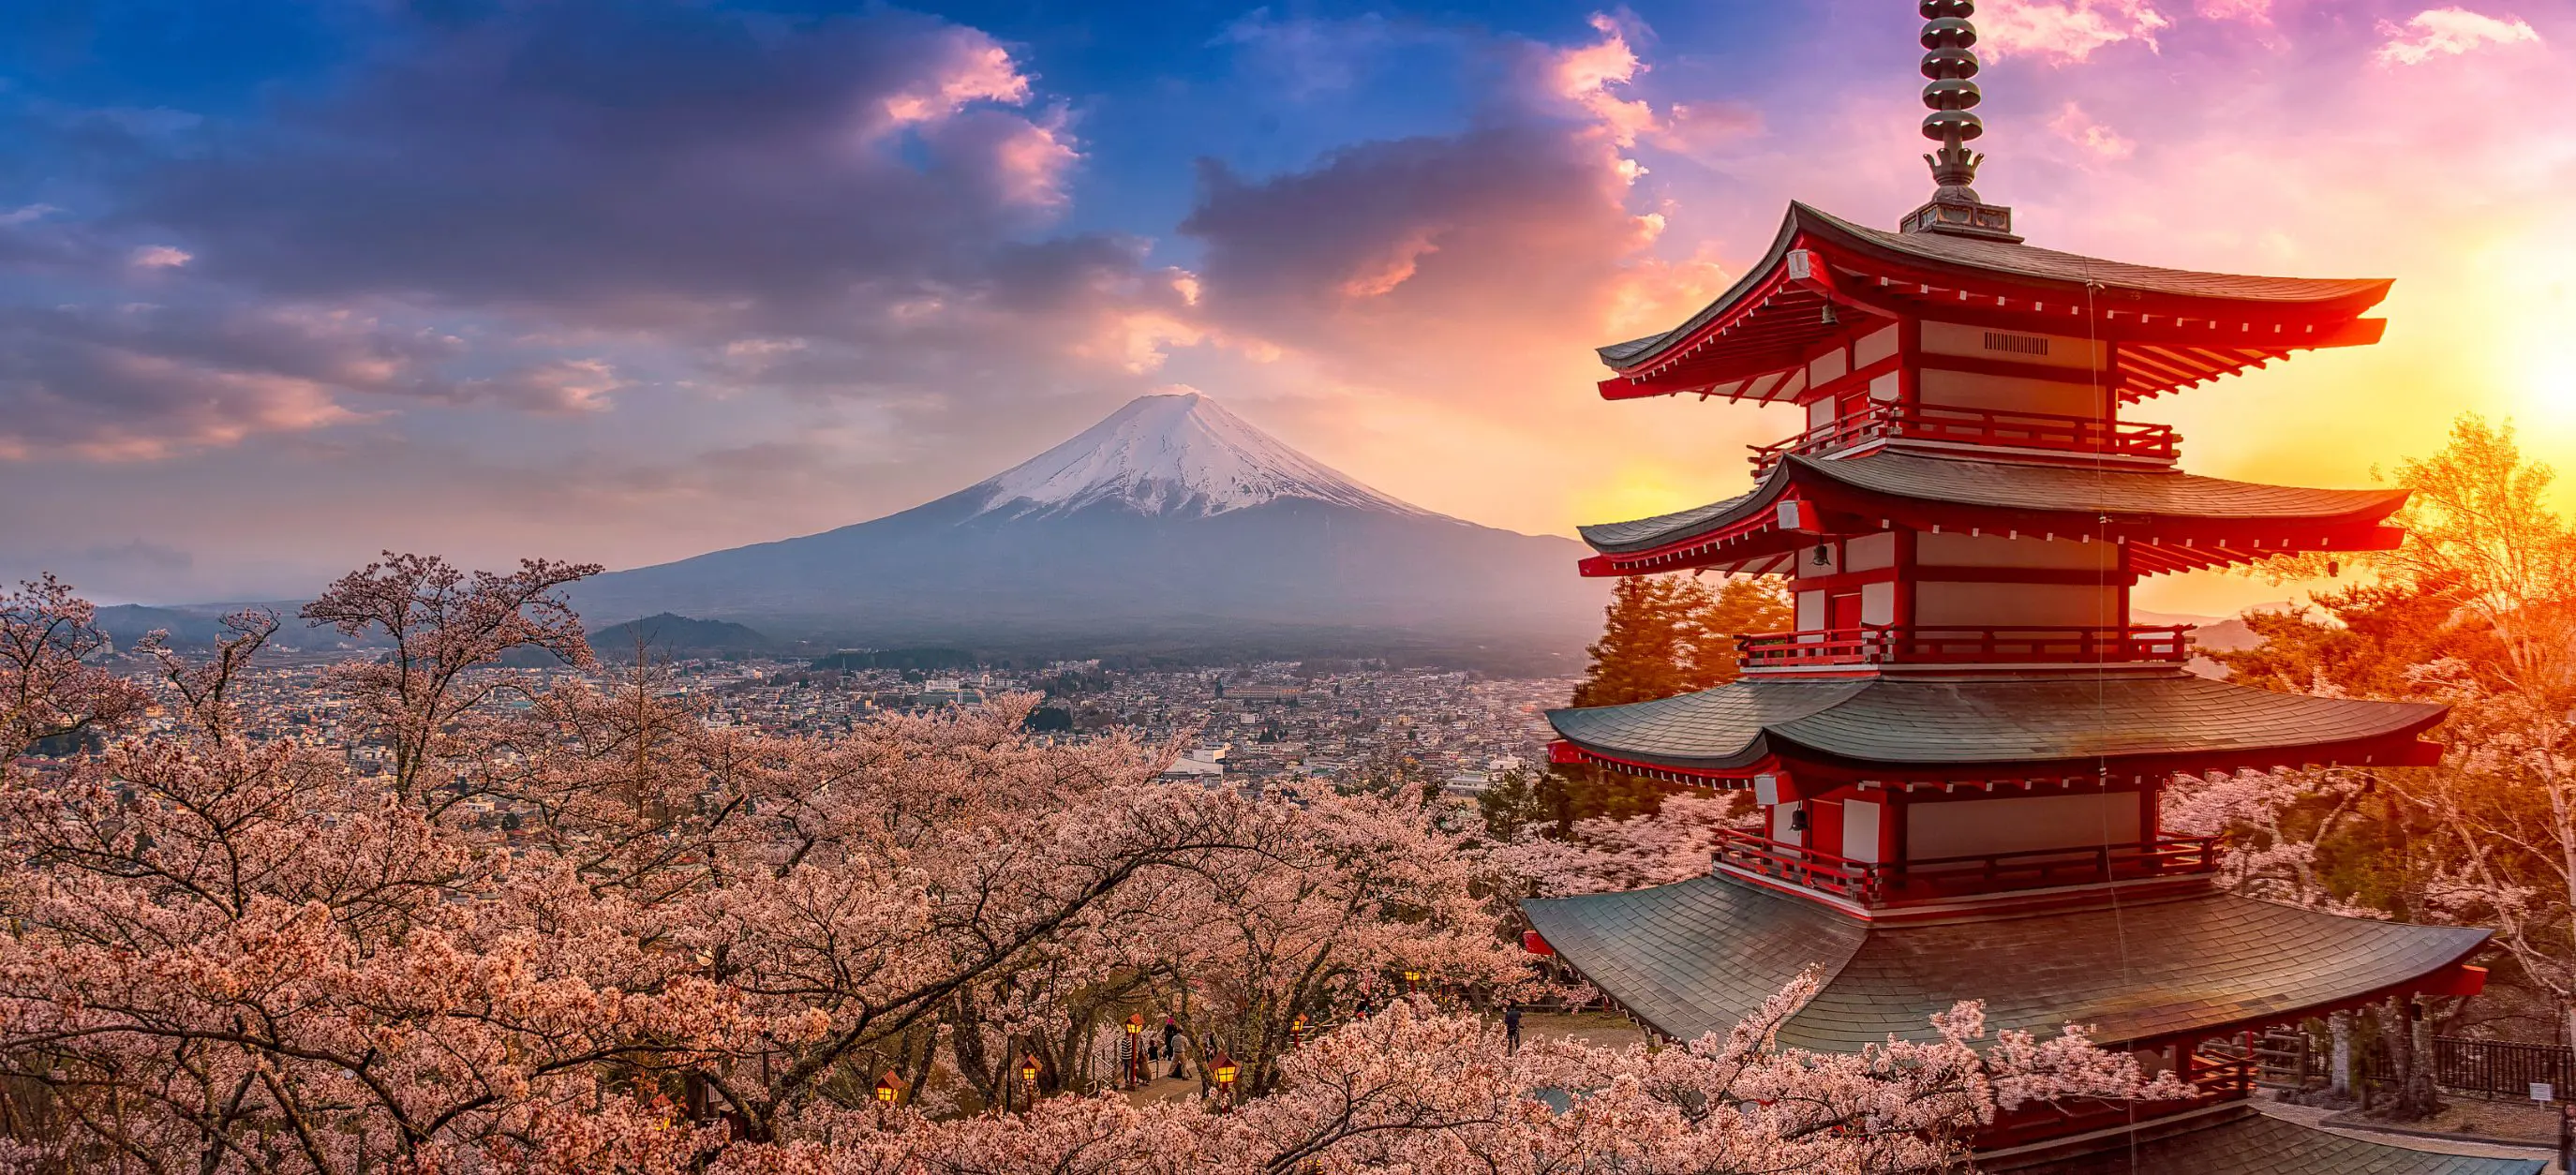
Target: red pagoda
<point>1958,753</point>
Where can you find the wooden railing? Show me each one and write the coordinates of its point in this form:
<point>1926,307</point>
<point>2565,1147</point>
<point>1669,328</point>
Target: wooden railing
<point>1957,645</point>
<point>1931,879</point>
<point>1980,426</point>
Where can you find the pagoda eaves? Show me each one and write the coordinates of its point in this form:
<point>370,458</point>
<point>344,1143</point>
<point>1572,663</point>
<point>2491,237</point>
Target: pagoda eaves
<point>1826,280</point>
<point>1813,736</point>
<point>2191,964</point>
<point>2155,521</point>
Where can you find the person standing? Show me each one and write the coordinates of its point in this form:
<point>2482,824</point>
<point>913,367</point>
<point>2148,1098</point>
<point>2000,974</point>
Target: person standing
<point>1127,1060</point>
<point>1512,1026</point>
<point>1172,1044</point>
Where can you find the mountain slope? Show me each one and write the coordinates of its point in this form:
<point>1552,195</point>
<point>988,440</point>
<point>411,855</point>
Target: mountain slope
<point>1172,523</point>
<point>1178,454</point>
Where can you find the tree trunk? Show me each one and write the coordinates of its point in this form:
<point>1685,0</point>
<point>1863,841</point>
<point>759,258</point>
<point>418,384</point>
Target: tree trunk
<point>2339,1086</point>
<point>2411,1094</point>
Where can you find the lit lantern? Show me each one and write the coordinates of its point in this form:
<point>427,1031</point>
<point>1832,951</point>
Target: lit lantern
<point>1224,1070</point>
<point>1297,1028</point>
<point>1029,1069</point>
<point>889,1088</point>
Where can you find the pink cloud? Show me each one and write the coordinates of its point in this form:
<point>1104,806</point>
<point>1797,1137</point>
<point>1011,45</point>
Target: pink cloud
<point>205,407</point>
<point>2068,30</point>
<point>2097,140</point>
<point>2448,32</point>
<point>1697,128</point>
<point>977,69</point>
<point>555,386</point>
<point>2258,11</point>
<point>1032,162</point>
<point>1381,275</point>
<point>1593,78</point>
<point>1585,74</point>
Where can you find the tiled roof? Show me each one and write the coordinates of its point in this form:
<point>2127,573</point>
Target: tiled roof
<point>2132,495</point>
<point>1663,528</point>
<point>1699,955</point>
<point>2020,264</point>
<point>2160,493</point>
<point>2049,265</point>
<point>2250,1143</point>
<point>2013,720</point>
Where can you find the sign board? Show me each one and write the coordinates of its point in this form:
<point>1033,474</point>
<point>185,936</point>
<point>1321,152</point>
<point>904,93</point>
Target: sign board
<point>2542,1091</point>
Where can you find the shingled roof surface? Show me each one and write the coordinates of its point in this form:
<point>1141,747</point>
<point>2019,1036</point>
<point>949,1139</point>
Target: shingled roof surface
<point>2132,495</point>
<point>1698,956</point>
<point>2256,1144</point>
<point>2020,264</point>
<point>1900,722</point>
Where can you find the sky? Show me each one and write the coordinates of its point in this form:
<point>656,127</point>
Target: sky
<point>285,283</point>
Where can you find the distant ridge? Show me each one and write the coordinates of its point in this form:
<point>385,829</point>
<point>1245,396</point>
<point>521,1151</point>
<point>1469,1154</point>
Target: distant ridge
<point>1172,525</point>
<point>670,634</point>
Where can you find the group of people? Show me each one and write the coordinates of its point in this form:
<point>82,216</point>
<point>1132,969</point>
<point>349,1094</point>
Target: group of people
<point>1161,1047</point>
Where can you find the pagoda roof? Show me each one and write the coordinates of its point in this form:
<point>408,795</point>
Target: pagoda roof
<point>1905,726</point>
<point>2239,1140</point>
<point>2191,326</point>
<point>2169,515</point>
<point>1700,955</point>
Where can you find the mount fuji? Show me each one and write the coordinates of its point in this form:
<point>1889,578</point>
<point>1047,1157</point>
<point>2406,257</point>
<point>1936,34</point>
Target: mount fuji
<point>1171,526</point>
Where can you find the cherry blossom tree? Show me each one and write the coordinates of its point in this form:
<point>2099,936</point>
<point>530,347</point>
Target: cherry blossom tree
<point>1414,1090</point>
<point>1604,854</point>
<point>445,626</point>
<point>48,690</point>
<point>699,946</point>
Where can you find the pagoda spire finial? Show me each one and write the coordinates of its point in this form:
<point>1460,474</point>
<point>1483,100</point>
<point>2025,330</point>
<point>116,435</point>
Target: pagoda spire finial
<point>1950,60</point>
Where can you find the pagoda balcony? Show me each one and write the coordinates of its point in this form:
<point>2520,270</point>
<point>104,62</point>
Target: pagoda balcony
<point>1876,884</point>
<point>1969,645</point>
<point>2088,435</point>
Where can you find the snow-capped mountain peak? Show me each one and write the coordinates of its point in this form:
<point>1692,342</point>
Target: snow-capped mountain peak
<point>1173,454</point>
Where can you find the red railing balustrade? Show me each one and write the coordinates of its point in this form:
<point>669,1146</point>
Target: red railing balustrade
<point>1930,879</point>
<point>1964,645</point>
<point>1980,426</point>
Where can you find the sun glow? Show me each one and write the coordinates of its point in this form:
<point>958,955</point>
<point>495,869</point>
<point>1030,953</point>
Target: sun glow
<point>2541,376</point>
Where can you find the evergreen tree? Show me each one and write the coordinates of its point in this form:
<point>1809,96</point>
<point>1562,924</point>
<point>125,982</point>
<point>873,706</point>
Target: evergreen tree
<point>1666,635</point>
<point>1663,635</point>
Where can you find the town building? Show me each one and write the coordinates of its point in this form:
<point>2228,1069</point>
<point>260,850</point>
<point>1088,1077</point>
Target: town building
<point>1958,752</point>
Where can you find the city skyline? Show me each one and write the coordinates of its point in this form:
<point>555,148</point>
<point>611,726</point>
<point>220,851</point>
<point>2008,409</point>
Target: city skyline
<point>633,282</point>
